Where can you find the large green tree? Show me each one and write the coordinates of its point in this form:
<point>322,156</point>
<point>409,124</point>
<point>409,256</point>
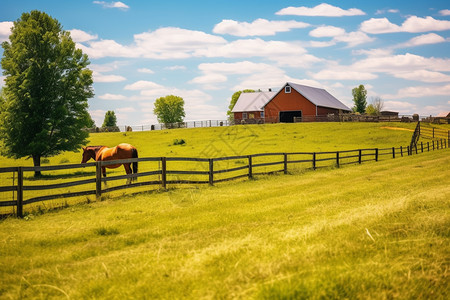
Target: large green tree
<point>46,90</point>
<point>169,109</point>
<point>359,98</point>
<point>233,101</point>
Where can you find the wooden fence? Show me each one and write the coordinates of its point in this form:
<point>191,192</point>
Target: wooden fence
<point>209,171</point>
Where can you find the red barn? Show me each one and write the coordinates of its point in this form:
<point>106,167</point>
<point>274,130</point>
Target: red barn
<point>295,100</point>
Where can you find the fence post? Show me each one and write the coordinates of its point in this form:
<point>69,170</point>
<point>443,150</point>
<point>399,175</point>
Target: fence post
<point>433,145</point>
<point>421,146</point>
<point>211,171</point>
<point>98,178</point>
<point>314,160</point>
<point>337,159</point>
<point>250,167</point>
<point>285,163</point>
<point>360,156</point>
<point>415,146</point>
<point>19,192</point>
<point>163,172</point>
<point>401,151</point>
<point>433,132</point>
<point>407,148</point>
<point>393,152</point>
<point>376,154</point>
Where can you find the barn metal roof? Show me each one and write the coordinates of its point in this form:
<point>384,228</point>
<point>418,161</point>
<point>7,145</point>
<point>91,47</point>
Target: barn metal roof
<point>252,101</point>
<point>318,97</point>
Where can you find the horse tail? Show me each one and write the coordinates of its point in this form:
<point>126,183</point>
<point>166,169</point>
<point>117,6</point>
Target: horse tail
<point>134,154</point>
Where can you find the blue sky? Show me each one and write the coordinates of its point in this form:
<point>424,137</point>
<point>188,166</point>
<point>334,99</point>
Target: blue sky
<point>204,51</point>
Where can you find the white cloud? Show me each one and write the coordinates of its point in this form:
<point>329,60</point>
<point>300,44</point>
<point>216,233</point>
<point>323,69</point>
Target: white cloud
<point>327,31</point>
<point>340,35</point>
<point>400,106</point>
<point>420,91</point>
<point>197,105</point>
<point>316,44</point>
<point>412,24</point>
<point>343,74</point>
<point>209,79</point>
<point>424,39</point>
<point>126,109</point>
<point>112,97</point>
<point>259,27</point>
<point>80,36</point>
<point>424,76</point>
<point>243,67</point>
<point>142,85</point>
<point>172,43</point>
<point>381,25</point>
<point>175,68</point>
<point>253,48</point>
<point>407,66</point>
<point>444,12</point>
<point>105,48</point>
<point>145,70</point>
<point>354,38</point>
<point>118,4</point>
<point>98,116</point>
<point>99,77</point>
<point>383,11</point>
<point>401,63</point>
<point>5,30</point>
<point>163,43</point>
<point>177,43</point>
<point>321,10</point>
<point>216,73</point>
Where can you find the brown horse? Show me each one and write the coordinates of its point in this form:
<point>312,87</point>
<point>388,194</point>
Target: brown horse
<point>103,153</point>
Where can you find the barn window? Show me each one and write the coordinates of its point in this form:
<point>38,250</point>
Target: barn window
<point>262,115</point>
<point>244,116</point>
<point>287,89</point>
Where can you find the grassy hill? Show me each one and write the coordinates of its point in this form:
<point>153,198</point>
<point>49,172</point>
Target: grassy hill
<point>243,140</point>
<point>379,230</point>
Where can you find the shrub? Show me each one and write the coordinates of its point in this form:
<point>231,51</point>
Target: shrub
<point>179,142</point>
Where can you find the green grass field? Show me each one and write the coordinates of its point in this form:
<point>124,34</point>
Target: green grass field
<point>208,143</point>
<point>379,230</point>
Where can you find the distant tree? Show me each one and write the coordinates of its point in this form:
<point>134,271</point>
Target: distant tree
<point>359,98</point>
<point>370,110</point>
<point>46,90</point>
<point>233,101</point>
<point>375,107</point>
<point>378,104</point>
<point>169,109</point>
<point>110,119</point>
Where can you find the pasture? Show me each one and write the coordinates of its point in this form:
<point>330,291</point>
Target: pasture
<point>378,230</point>
<point>207,143</point>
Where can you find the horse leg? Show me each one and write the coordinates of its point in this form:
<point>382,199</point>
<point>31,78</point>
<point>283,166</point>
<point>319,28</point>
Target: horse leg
<point>104,173</point>
<point>128,171</point>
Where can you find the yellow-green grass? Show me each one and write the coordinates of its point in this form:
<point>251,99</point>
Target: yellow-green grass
<point>375,231</point>
<point>208,143</point>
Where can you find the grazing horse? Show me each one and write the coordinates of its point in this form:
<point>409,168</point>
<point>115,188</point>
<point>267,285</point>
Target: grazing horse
<point>103,153</point>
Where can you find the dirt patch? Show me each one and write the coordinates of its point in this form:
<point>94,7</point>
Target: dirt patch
<point>397,128</point>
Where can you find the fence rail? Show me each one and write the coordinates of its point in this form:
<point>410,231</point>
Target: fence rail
<point>209,170</point>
